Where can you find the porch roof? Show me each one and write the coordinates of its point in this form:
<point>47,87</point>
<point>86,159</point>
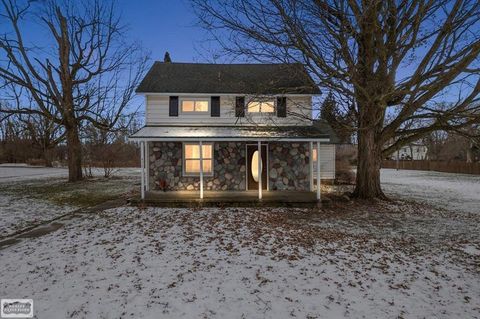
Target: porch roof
<point>231,133</point>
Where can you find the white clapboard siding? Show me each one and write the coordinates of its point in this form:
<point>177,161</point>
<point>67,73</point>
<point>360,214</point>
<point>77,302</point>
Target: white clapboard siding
<point>157,112</point>
<point>327,161</point>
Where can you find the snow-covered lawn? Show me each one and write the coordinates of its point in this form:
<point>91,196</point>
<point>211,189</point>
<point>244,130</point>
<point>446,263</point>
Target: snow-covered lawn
<point>456,192</point>
<point>21,172</point>
<point>30,195</point>
<point>9,173</point>
<point>17,213</point>
<point>353,261</point>
<point>390,260</point>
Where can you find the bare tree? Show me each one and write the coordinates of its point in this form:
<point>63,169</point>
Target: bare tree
<point>435,142</point>
<point>14,145</point>
<point>340,121</point>
<point>393,59</point>
<point>471,137</point>
<point>109,149</point>
<point>44,134</point>
<point>85,73</point>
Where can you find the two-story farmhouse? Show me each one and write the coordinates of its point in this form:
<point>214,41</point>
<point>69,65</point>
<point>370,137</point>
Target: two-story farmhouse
<point>232,127</point>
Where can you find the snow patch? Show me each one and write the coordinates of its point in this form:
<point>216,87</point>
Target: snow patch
<point>470,250</point>
<point>18,213</point>
<point>455,192</point>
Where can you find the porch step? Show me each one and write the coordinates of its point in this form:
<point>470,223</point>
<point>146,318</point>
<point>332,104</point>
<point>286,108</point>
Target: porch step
<point>225,198</point>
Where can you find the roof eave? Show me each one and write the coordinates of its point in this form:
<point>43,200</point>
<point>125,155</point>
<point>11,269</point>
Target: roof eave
<point>219,94</point>
<point>325,139</point>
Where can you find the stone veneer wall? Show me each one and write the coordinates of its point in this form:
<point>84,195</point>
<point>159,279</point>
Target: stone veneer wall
<point>228,168</point>
<point>289,166</point>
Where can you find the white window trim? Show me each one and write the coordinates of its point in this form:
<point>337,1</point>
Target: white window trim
<point>194,99</point>
<point>185,174</point>
<point>260,100</point>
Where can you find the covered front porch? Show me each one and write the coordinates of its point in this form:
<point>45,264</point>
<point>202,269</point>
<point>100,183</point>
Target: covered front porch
<point>230,164</point>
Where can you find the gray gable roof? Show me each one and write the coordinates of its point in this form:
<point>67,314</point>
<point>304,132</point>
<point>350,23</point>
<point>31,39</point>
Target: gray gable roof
<point>227,78</point>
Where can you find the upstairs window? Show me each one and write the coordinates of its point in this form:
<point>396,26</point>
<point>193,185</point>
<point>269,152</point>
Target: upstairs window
<point>191,159</point>
<point>194,106</point>
<point>261,106</point>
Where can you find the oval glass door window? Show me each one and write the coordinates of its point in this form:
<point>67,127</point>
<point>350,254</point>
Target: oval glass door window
<point>254,166</point>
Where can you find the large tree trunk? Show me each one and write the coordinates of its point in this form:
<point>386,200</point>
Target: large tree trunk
<point>47,157</point>
<point>469,152</point>
<point>368,167</point>
<point>369,158</point>
<point>74,154</point>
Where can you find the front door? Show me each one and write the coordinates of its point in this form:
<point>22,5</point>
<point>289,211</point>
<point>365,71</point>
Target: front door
<point>252,167</point>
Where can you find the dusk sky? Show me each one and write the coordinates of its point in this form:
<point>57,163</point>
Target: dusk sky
<point>171,25</point>
<point>165,25</point>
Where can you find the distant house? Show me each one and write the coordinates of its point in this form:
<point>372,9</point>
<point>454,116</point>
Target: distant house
<point>232,127</point>
<point>413,151</point>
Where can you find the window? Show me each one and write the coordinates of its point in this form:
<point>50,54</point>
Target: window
<point>261,106</point>
<point>194,106</point>
<point>191,158</point>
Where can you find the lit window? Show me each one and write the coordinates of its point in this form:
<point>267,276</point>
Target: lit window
<point>191,158</point>
<point>261,107</point>
<point>194,106</point>
<point>314,155</point>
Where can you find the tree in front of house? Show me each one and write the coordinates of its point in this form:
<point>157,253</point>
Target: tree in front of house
<point>393,61</point>
<point>82,73</point>
<point>340,120</point>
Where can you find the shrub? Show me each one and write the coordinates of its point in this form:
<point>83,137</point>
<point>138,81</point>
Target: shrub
<point>344,173</point>
<point>35,162</point>
<point>345,159</point>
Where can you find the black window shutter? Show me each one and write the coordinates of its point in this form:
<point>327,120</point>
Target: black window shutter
<point>215,106</point>
<point>173,106</point>
<point>240,106</point>
<point>281,107</point>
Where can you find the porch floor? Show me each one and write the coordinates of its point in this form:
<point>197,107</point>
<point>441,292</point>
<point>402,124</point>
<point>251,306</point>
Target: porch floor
<point>237,198</point>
